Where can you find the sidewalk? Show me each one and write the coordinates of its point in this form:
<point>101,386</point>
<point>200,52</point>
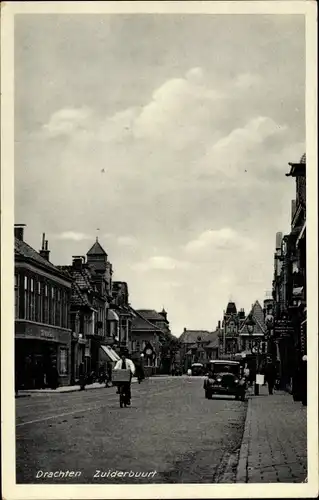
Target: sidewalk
<point>274,446</point>
<point>63,389</point>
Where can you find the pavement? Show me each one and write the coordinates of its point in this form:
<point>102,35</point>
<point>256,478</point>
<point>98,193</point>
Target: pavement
<point>274,446</point>
<point>170,429</point>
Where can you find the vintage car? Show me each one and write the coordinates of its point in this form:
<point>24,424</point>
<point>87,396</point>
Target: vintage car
<point>224,377</point>
<point>197,369</point>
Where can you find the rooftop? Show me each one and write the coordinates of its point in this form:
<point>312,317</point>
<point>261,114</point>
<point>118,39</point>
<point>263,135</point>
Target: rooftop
<point>191,336</point>
<point>97,249</point>
<point>22,249</point>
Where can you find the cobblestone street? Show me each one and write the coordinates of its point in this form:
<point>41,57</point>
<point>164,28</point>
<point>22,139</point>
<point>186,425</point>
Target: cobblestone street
<point>170,428</point>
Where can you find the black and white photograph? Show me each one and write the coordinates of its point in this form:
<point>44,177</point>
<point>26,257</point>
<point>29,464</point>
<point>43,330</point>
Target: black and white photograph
<point>162,171</point>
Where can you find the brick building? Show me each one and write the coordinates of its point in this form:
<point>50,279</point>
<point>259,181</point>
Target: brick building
<point>198,346</point>
<point>42,320</point>
<point>90,313</point>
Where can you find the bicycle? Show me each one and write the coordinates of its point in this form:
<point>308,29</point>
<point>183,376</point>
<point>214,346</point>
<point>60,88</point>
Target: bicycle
<point>124,396</point>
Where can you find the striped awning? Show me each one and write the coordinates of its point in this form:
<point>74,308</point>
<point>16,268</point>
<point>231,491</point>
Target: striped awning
<point>111,354</point>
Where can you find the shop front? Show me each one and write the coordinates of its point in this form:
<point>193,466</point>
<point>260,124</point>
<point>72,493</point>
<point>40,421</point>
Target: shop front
<point>42,356</point>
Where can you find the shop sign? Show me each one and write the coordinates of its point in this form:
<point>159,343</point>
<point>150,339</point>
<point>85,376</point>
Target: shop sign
<point>46,335</point>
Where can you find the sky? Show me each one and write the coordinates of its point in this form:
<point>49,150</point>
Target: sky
<point>169,137</point>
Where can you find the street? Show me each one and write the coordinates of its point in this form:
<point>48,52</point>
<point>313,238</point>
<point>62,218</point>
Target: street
<point>170,429</point>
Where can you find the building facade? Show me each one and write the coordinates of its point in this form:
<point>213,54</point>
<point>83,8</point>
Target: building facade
<point>229,340</point>
<point>198,346</point>
<point>42,318</point>
<point>289,286</point>
<point>90,314</point>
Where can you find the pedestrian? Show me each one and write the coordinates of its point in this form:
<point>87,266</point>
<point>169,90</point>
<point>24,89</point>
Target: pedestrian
<point>270,373</point>
<point>82,376</point>
<point>126,364</point>
<point>54,377</point>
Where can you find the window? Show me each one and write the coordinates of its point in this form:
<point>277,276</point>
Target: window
<point>16,295</point>
<point>57,307</point>
<point>63,364</point>
<point>46,304</point>
<point>53,306</point>
<point>39,303</point>
<point>138,345</point>
<point>32,300</point>
<point>26,298</point>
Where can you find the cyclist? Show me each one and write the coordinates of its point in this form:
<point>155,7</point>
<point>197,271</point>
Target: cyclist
<point>126,364</point>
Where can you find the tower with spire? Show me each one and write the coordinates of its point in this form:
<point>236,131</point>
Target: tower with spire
<point>98,262</point>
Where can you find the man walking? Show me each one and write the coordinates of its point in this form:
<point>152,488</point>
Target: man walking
<point>270,373</point>
<point>126,364</point>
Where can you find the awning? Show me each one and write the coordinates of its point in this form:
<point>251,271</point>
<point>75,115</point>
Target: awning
<point>112,316</point>
<point>301,233</point>
<point>297,290</point>
<point>110,353</point>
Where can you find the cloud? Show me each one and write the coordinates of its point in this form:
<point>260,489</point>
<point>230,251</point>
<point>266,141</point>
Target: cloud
<point>67,121</point>
<point>221,239</point>
<point>127,241</point>
<point>73,236</point>
<point>160,263</point>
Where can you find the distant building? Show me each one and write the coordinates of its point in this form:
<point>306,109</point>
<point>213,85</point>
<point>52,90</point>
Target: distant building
<point>147,330</point>
<point>247,339</point>
<point>229,333</point>
<point>42,320</point>
<point>121,307</point>
<point>197,346</point>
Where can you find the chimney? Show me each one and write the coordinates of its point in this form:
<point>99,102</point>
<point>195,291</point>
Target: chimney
<point>18,231</point>
<point>77,262</point>
<point>278,241</point>
<point>185,329</point>
<point>293,208</point>
<point>44,252</point>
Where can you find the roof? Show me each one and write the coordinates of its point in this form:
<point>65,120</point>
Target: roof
<point>22,249</point>
<point>231,308</point>
<point>303,159</point>
<point>96,249</point>
<point>213,340</point>
<point>258,315</point>
<point>191,336</point>
<point>297,168</point>
<point>139,323</point>
<point>151,314</point>
<point>81,285</point>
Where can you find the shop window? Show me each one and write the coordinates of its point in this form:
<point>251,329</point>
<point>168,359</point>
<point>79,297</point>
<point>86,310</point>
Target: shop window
<point>63,362</point>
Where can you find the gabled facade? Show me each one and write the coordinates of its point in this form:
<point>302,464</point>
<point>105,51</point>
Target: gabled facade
<point>229,333</point>
<point>248,340</point>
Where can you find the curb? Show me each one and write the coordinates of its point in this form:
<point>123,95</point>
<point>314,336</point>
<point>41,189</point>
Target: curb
<point>242,472</point>
<point>52,391</point>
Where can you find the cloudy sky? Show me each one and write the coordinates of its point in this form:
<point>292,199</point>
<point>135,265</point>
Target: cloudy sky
<point>172,135</point>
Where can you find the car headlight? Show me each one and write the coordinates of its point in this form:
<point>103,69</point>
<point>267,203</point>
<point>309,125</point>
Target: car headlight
<point>219,380</point>
<point>236,381</point>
